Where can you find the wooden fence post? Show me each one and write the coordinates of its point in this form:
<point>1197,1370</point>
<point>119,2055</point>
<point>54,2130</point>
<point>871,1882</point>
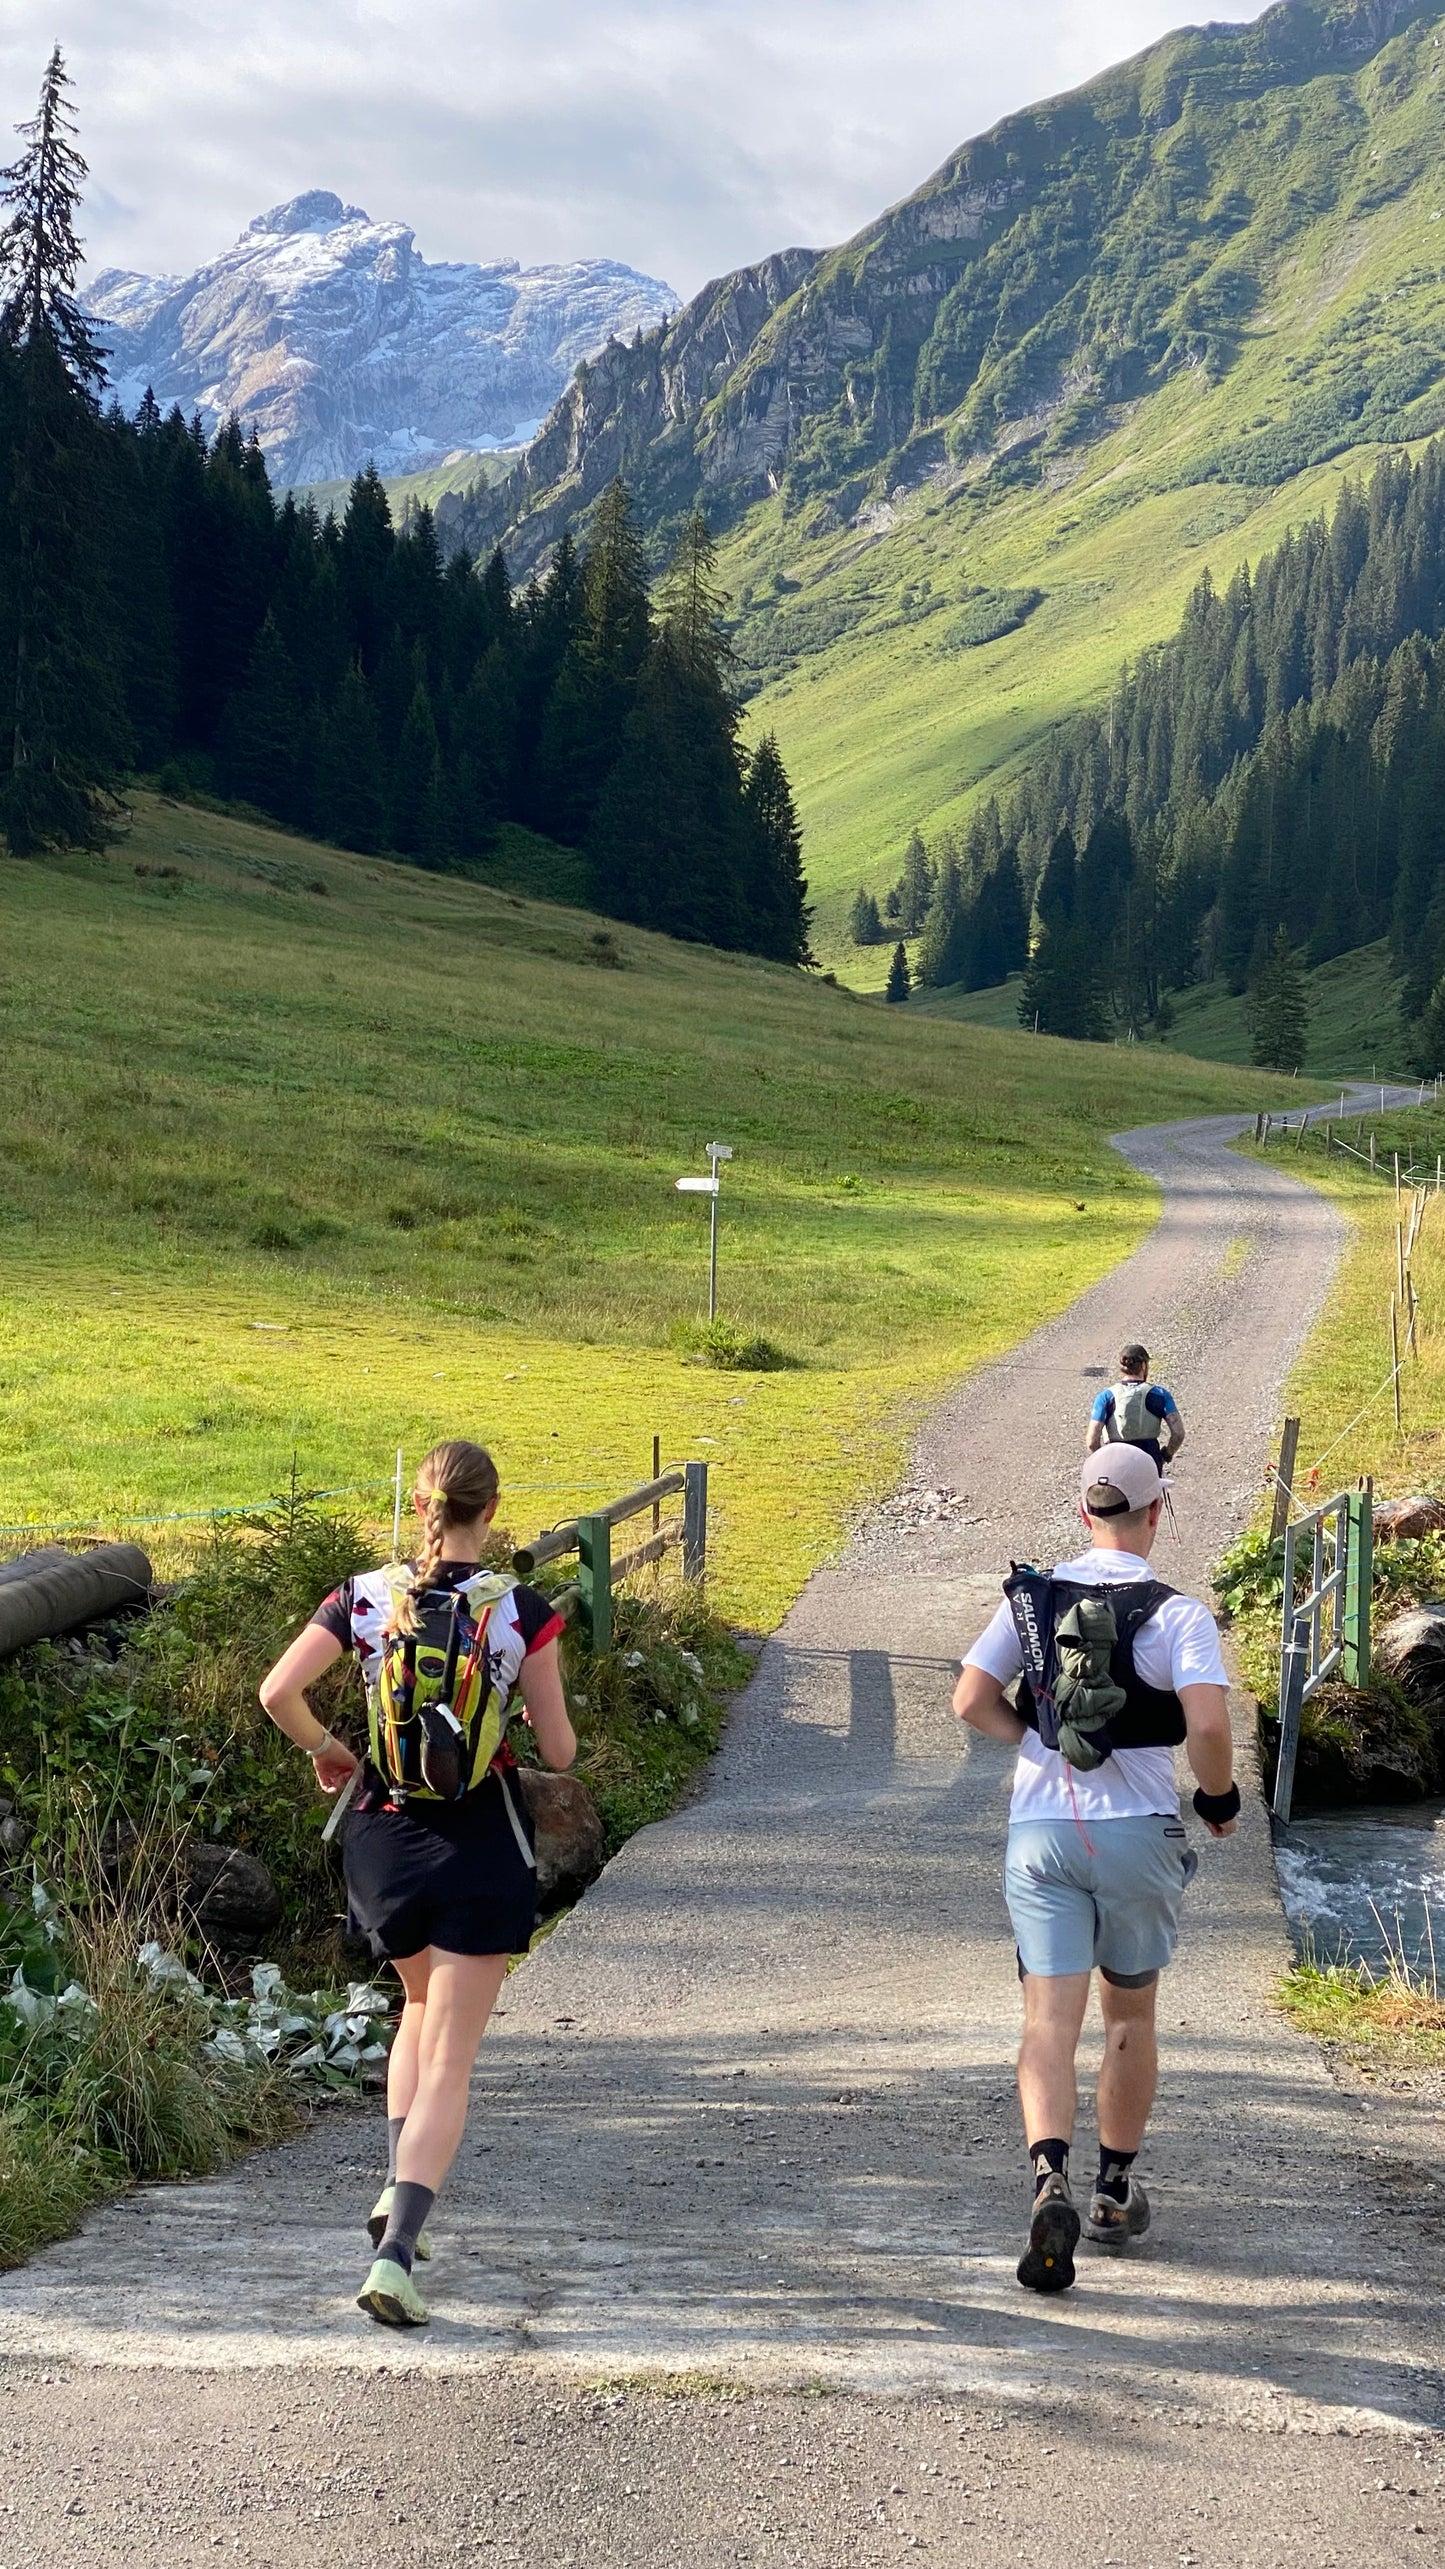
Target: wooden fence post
<point>1372,1155</point>
<point>694,1521</point>
<point>594,1578</point>
<point>1358,1585</point>
<point>1284,1479</point>
<point>1395,1357</point>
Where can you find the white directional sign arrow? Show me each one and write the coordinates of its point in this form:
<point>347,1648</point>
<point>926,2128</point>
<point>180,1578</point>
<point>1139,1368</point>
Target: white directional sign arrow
<point>697,1186</point>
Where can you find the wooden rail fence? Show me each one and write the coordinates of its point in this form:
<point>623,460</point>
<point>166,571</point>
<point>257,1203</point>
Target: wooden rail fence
<point>589,1596</point>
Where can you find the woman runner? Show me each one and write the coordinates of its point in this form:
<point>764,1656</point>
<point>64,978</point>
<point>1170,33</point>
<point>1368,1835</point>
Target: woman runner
<point>446,1889</point>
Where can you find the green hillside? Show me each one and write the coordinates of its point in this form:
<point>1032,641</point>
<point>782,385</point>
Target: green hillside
<point>317,1154</point>
<point>1354,1020</point>
<point>1126,335</point>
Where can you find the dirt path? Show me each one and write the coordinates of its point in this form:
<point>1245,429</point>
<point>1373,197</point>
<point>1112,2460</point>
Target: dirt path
<point>748,2116</point>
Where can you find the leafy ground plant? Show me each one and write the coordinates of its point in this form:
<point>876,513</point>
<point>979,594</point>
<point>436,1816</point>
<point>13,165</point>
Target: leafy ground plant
<point>1387,2026</point>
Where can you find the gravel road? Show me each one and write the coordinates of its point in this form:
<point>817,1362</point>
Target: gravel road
<point>747,2122</point>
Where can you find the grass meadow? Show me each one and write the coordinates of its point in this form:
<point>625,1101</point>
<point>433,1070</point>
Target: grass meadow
<point>305,1155</point>
<point>1340,1388</point>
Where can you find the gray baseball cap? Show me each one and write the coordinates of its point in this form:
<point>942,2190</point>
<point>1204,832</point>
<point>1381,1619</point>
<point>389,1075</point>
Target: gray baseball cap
<point>1119,1479</point>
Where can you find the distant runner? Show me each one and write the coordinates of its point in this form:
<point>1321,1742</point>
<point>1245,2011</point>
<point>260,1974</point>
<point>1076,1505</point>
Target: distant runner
<point>1114,1671</point>
<point>439,1862</point>
<point>1136,1412</point>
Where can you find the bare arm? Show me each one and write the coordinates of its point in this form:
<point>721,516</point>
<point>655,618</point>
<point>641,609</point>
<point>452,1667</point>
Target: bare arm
<point>1209,1745</point>
<point>541,1683</point>
<point>979,1700</point>
<point>1174,1430</point>
<point>1097,1436</point>
<point>283,1693</point>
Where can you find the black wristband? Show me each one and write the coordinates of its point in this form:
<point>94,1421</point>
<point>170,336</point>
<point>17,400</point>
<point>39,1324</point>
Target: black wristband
<point>1217,1806</point>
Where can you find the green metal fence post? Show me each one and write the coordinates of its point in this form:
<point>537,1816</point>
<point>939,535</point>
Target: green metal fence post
<point>694,1521</point>
<point>1356,1663</point>
<point>594,1556</point>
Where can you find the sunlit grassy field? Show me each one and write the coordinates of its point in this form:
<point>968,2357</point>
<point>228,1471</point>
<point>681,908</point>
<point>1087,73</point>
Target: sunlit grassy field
<point>1340,1388</point>
<point>307,1154</point>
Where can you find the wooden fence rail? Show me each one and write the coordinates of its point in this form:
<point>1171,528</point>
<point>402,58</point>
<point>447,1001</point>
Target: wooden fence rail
<point>589,1595</point>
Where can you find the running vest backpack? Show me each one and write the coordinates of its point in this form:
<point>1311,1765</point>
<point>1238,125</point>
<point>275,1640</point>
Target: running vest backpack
<point>1132,1422</point>
<point>437,1721</point>
<point>1079,1688</point>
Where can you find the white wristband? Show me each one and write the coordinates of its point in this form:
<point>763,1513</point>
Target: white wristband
<point>325,1741</point>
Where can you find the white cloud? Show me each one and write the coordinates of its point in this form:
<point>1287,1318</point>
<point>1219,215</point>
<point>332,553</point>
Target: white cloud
<point>686,136</point>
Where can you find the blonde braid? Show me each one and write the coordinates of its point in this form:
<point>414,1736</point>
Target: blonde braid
<point>406,1618</point>
<point>457,1481</point>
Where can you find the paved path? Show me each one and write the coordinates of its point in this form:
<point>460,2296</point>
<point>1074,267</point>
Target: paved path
<point>748,2116</point>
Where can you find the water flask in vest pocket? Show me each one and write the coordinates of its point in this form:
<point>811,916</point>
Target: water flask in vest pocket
<point>1086,1696</point>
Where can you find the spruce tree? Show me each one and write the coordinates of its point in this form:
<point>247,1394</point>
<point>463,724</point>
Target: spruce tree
<point>262,733</point>
<point>418,801</point>
<point>915,889</point>
<point>776,890</point>
<point>1276,1009</point>
<point>582,724</point>
<point>65,735</point>
<point>899,982</point>
<point>351,802</point>
<point>865,927</point>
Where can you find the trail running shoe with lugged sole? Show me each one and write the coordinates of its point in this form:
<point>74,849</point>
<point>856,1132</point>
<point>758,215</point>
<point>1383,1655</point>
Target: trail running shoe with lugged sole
<point>1047,2263</point>
<point>389,2295</point>
<point>379,2215</point>
<point>1113,2225</point>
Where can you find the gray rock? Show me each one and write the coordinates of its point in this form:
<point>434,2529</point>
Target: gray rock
<point>571,1849</point>
<point>230,1895</point>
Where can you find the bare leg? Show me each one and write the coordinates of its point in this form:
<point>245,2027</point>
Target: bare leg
<point>1053,2021</point>
<point>1129,2071</point>
<point>461,1993</point>
<point>401,2067</point>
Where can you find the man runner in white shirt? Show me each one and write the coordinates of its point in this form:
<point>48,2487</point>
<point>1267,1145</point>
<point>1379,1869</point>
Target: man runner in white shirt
<point>1097,1857</point>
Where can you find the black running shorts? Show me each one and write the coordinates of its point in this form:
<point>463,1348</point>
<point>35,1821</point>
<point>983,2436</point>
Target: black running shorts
<point>453,1875</point>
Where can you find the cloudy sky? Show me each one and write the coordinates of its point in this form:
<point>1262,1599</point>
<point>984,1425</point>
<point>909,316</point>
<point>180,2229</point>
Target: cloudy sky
<point>685,136</point>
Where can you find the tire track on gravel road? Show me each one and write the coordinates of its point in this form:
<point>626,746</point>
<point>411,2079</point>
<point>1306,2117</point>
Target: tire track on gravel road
<point>749,2113</point>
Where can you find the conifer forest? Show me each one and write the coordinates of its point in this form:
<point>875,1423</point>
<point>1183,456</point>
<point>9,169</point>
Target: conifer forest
<point>162,612</point>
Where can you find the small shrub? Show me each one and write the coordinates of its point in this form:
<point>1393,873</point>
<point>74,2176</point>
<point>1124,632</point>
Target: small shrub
<point>722,1344</point>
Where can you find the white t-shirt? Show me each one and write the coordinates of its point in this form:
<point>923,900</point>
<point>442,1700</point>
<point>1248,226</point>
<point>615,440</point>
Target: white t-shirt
<point>1178,1646</point>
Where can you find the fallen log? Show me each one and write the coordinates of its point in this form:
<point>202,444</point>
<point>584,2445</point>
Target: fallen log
<point>50,1592</point>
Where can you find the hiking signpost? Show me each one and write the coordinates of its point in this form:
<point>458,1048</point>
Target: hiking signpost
<point>711,1187</point>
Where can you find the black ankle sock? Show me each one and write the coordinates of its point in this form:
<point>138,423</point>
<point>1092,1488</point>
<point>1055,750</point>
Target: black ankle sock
<point>409,2209</point>
<point>395,2126</point>
<point>1114,2166</point>
<point>1050,2159</point>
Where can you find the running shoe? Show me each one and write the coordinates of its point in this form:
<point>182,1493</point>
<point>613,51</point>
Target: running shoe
<point>379,2215</point>
<point>389,2295</point>
<point>1113,2225</point>
<point>1047,2263</point>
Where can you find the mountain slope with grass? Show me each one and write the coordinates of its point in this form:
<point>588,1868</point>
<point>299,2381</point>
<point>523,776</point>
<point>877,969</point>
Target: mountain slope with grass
<point>308,1155</point>
<point>977,456</point>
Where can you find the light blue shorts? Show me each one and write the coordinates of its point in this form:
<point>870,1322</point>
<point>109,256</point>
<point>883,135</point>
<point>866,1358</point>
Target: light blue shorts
<point>1115,1910</point>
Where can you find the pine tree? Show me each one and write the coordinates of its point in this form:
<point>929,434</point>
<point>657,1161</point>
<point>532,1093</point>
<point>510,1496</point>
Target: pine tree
<point>582,724</point>
<point>915,889</point>
<point>262,733</point>
<point>350,796</point>
<point>865,927</point>
<point>775,893</point>
<point>66,734</point>
<point>899,981</point>
<point>1276,1009</point>
<point>40,255</point>
<point>418,800</point>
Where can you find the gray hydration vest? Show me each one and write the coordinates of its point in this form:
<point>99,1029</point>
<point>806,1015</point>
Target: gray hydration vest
<point>1133,1422</point>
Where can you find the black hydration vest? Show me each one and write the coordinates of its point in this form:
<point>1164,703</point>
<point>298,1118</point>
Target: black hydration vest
<point>1151,1716</point>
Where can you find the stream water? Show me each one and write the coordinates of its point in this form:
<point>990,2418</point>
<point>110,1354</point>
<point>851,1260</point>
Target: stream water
<point>1361,1885</point>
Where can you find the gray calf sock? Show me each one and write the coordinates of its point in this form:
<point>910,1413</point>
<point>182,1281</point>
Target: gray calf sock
<point>409,2208</point>
<point>395,2126</point>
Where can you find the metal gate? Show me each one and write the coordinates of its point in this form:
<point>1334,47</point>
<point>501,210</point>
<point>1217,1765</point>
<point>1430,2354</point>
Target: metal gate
<point>1328,1628</point>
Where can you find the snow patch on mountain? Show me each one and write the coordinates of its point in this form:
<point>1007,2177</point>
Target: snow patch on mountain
<point>332,337</point>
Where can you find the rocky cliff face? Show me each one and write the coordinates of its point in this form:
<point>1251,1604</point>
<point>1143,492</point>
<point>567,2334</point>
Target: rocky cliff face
<point>1050,274</point>
<point>330,335</point>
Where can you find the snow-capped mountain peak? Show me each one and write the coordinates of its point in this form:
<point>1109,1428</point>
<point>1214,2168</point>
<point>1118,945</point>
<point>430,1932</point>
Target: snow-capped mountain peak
<point>340,344</point>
